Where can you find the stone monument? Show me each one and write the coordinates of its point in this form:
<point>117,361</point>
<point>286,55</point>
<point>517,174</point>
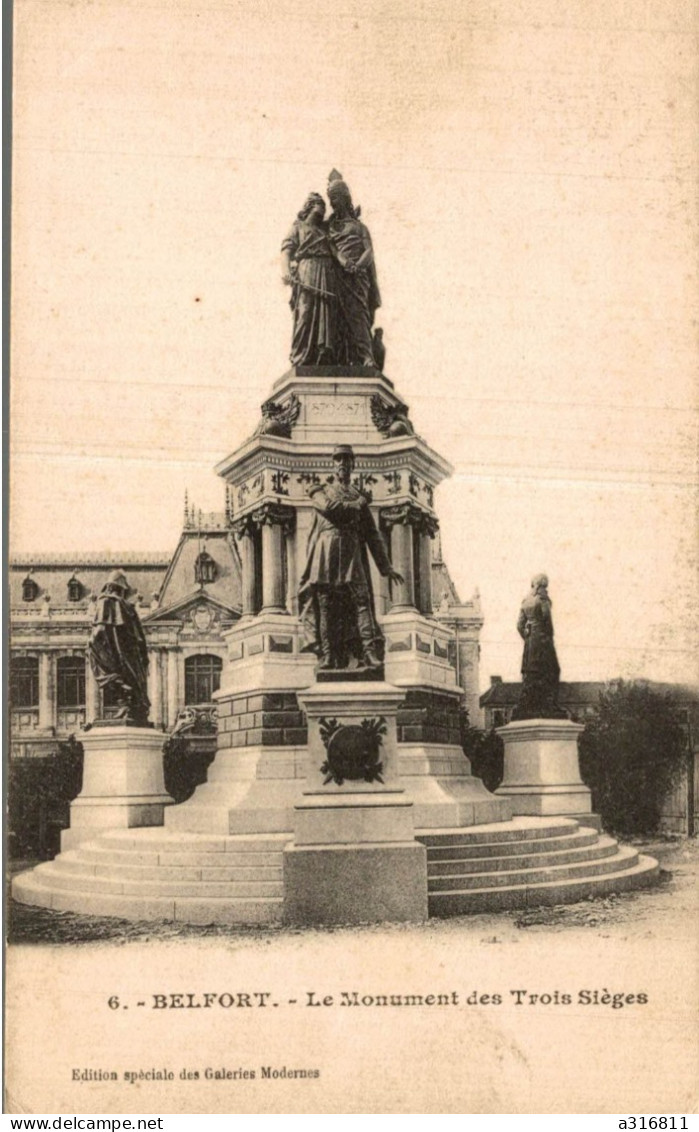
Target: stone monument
<point>340,792</point>
<point>123,784</point>
<point>541,767</point>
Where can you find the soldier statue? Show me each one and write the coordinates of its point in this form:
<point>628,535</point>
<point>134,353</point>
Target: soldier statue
<point>336,602</point>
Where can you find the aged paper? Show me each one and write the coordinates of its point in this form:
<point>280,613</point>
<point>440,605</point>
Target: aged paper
<point>528,170</point>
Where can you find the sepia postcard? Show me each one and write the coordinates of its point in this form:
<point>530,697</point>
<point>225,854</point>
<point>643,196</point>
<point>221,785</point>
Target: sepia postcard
<point>336,332</point>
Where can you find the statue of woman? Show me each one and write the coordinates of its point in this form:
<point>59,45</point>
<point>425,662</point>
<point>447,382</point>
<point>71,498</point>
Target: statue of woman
<point>540,669</point>
<point>308,267</point>
<point>357,288</point>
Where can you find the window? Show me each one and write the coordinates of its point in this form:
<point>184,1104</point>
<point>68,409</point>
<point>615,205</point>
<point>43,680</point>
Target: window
<point>24,682</point>
<point>70,682</point>
<point>75,589</point>
<point>30,590</point>
<point>204,568</point>
<point>202,677</point>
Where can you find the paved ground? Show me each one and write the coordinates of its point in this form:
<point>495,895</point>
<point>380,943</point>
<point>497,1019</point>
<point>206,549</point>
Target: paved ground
<point>672,900</point>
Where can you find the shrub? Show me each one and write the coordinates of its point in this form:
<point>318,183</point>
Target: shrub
<point>632,752</point>
<point>39,793</point>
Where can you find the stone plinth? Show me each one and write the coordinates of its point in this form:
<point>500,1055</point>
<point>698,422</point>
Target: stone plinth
<point>123,784</point>
<point>542,771</point>
<point>354,858</point>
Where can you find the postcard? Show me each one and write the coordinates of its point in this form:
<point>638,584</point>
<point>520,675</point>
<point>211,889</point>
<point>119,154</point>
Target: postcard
<point>352,349</point>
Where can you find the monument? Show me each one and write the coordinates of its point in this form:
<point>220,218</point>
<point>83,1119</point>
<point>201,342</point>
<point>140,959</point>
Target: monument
<point>541,767</point>
<point>340,792</point>
<point>123,784</point>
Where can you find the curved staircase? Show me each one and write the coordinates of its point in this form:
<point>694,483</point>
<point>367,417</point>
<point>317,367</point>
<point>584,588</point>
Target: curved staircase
<point>153,874</point>
<point>150,874</point>
<point>527,862</point>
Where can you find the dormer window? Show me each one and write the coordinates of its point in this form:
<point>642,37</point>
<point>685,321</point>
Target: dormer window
<point>30,590</point>
<point>204,568</point>
<point>75,589</point>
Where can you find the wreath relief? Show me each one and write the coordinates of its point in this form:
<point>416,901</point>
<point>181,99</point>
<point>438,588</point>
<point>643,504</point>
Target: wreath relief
<point>353,751</point>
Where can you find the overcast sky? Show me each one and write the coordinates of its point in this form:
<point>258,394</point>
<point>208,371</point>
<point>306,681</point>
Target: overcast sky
<point>527,169</point>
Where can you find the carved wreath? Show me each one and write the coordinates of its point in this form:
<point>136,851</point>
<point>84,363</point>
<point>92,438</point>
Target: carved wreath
<point>353,751</point>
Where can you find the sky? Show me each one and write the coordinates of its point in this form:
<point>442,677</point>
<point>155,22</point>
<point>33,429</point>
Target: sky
<point>528,172</point>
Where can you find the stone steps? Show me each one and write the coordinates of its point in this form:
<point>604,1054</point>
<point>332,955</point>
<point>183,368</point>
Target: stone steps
<point>495,833</point>
<point>28,889</point>
<point>151,875</point>
<point>534,895</point>
<point>450,866</point>
<point>528,862</point>
<point>482,851</point>
<point>621,859</point>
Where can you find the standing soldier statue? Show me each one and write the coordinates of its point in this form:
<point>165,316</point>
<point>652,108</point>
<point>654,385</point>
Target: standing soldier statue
<point>336,602</point>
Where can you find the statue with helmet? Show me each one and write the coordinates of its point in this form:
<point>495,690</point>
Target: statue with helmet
<point>336,602</point>
<point>118,652</point>
<point>329,265</point>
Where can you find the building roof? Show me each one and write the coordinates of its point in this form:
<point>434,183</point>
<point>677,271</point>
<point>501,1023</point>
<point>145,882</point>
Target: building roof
<point>162,581</point>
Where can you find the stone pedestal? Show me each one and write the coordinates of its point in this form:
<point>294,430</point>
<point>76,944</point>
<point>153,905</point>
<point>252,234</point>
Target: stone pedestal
<point>123,784</point>
<point>542,772</point>
<point>354,858</point>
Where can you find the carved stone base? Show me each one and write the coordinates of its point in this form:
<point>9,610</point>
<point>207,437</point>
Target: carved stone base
<point>541,771</point>
<point>123,784</point>
<point>355,884</point>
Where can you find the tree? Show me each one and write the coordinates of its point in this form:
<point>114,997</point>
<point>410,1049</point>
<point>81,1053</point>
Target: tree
<point>632,752</point>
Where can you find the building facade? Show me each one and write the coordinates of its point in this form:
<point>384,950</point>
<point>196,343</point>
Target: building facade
<point>186,602</point>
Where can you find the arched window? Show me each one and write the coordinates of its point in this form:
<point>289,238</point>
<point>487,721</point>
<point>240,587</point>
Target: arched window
<point>24,681</point>
<point>70,681</point>
<point>202,677</point>
<point>75,589</point>
<point>30,590</point>
<point>204,568</point>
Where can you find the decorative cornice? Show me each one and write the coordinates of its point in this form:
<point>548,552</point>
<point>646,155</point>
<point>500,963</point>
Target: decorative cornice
<point>413,515</point>
<point>275,514</point>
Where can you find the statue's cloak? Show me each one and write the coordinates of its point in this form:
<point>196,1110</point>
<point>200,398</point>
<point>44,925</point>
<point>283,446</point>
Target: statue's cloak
<point>118,650</point>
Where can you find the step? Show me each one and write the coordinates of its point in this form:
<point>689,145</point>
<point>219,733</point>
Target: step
<point>601,847</point>
<point>210,910</point>
<point>518,829</point>
<point>98,854</point>
<point>269,868</point>
<point>156,839</point>
<point>623,858</point>
<point>75,882</point>
<point>644,873</point>
<point>481,850</point>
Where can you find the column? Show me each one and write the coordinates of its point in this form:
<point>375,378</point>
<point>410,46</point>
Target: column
<point>276,521</point>
<point>399,520</point>
<point>425,532</point>
<point>246,549</point>
<point>47,691</point>
<point>155,687</point>
<point>173,688</point>
<point>92,695</point>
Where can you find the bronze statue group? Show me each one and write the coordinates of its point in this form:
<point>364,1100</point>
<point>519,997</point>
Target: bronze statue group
<point>329,265</point>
